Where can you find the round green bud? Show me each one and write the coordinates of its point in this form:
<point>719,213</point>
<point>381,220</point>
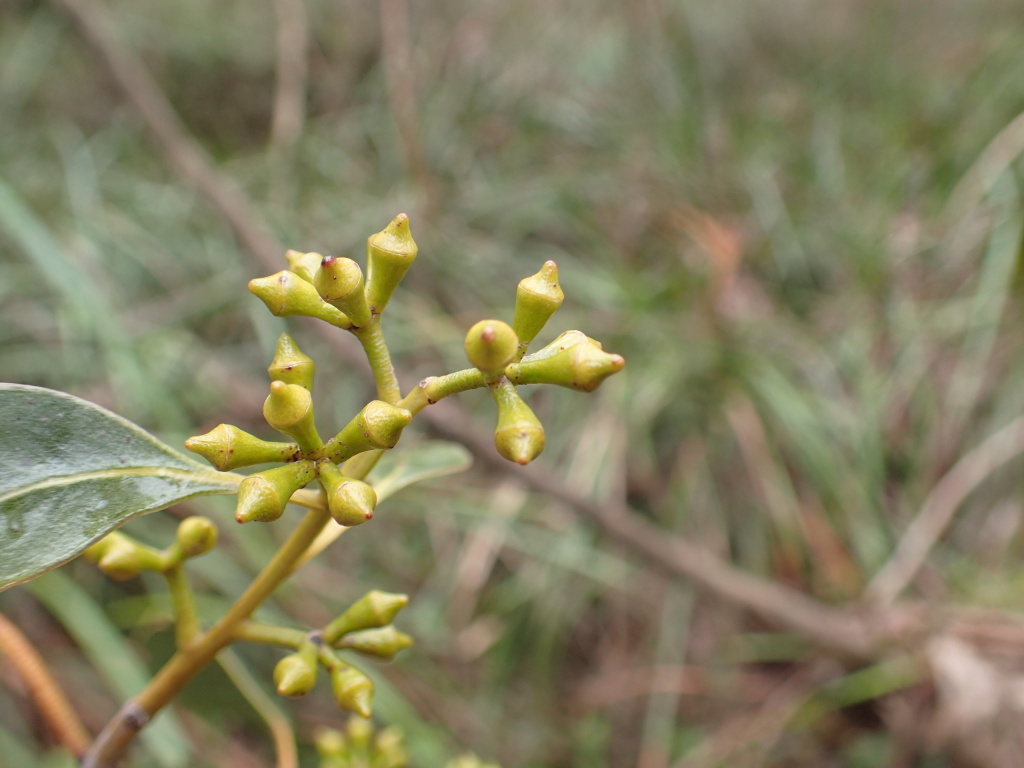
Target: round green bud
<point>290,365</point>
<point>121,560</point>
<point>374,609</point>
<point>262,497</point>
<point>303,264</point>
<point>329,742</point>
<point>378,425</point>
<point>294,675</point>
<point>519,435</point>
<point>490,346</point>
<point>227,447</point>
<point>339,281</point>
<point>382,642</point>
<point>289,409</point>
<point>352,690</point>
<point>572,360</point>
<point>538,297</point>
<point>196,535</point>
<point>390,747</point>
<point>351,501</point>
<point>287,294</point>
<point>359,733</point>
<point>389,254</point>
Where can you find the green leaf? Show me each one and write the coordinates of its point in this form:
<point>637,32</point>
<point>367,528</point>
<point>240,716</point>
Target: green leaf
<point>71,472</point>
<point>399,469</point>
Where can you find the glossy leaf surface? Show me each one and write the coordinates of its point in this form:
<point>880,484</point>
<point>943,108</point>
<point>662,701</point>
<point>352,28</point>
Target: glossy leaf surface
<point>71,472</point>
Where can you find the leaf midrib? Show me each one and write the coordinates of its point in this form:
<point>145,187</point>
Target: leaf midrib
<point>225,479</point>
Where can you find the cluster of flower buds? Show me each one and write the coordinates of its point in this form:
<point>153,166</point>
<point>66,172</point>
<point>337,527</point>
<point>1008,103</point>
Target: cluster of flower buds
<point>121,557</point>
<point>364,628</point>
<point>288,408</point>
<point>360,746</point>
<point>498,351</point>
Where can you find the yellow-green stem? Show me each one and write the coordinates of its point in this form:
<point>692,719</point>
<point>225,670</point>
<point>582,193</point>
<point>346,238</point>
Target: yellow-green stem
<point>186,623</point>
<point>371,336</point>
<point>285,637</point>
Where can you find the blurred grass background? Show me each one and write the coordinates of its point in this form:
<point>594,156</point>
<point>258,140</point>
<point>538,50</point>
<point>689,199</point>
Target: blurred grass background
<point>767,206</point>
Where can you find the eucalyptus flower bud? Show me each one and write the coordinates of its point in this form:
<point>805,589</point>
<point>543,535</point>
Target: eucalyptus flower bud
<point>374,609</point>
<point>295,674</point>
<point>262,497</point>
<point>359,733</point>
<point>289,409</point>
<point>378,426</point>
<point>340,283</point>
<point>519,436</point>
<point>538,297</point>
<point>390,748</point>
<point>196,536</point>
<point>122,558</point>
<point>382,642</point>
<point>351,501</point>
<point>227,447</point>
<point>490,346</point>
<point>572,360</point>
<point>303,264</point>
<point>352,690</point>
<point>330,743</point>
<point>290,365</point>
<point>389,253</point>
<point>286,294</point>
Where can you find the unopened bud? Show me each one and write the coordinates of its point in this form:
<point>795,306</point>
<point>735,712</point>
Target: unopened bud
<point>227,447</point>
<point>286,294</point>
<point>378,426</point>
<point>329,742</point>
<point>262,497</point>
<point>121,558</point>
<point>295,674</point>
<point>352,690</point>
<point>289,409</point>
<point>374,609</point>
<point>290,365</point>
<point>490,346</point>
<point>358,733</point>
<point>340,283</point>
<point>196,536</point>
<point>538,297</point>
<point>383,642</point>
<point>351,501</point>
<point>519,436</point>
<point>390,748</point>
<point>572,360</point>
<point>303,264</point>
<point>389,253</point>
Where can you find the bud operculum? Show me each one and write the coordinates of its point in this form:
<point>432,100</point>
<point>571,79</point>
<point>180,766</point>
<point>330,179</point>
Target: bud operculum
<point>378,425</point>
<point>572,360</point>
<point>382,642</point>
<point>389,253</point>
<point>227,447</point>
<point>538,297</point>
<point>350,501</point>
<point>490,346</point>
<point>289,409</point>
<point>286,294</point>
<point>290,365</point>
<point>303,264</point>
<point>339,281</point>
<point>196,536</point>
<point>352,690</point>
<point>295,674</point>
<point>519,435</point>
<point>262,497</point>
<point>374,609</point>
<point>121,557</point>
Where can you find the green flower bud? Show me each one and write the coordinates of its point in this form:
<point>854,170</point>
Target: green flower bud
<point>389,253</point>
<point>286,294</point>
<point>374,609</point>
<point>351,501</point>
<point>352,690</point>
<point>340,283</point>
<point>490,346</point>
<point>295,674</point>
<point>358,734</point>
<point>227,447</point>
<point>519,436</point>
<point>196,536</point>
<point>383,642</point>
<point>390,749</point>
<point>329,742</point>
<point>290,365</point>
<point>378,426</point>
<point>537,298</point>
<point>303,264</point>
<point>572,360</point>
<point>121,558</point>
<point>262,497</point>
<point>289,409</point>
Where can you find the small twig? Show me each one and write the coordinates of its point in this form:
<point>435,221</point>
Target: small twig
<point>938,510</point>
<point>290,92</point>
<point>44,691</point>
